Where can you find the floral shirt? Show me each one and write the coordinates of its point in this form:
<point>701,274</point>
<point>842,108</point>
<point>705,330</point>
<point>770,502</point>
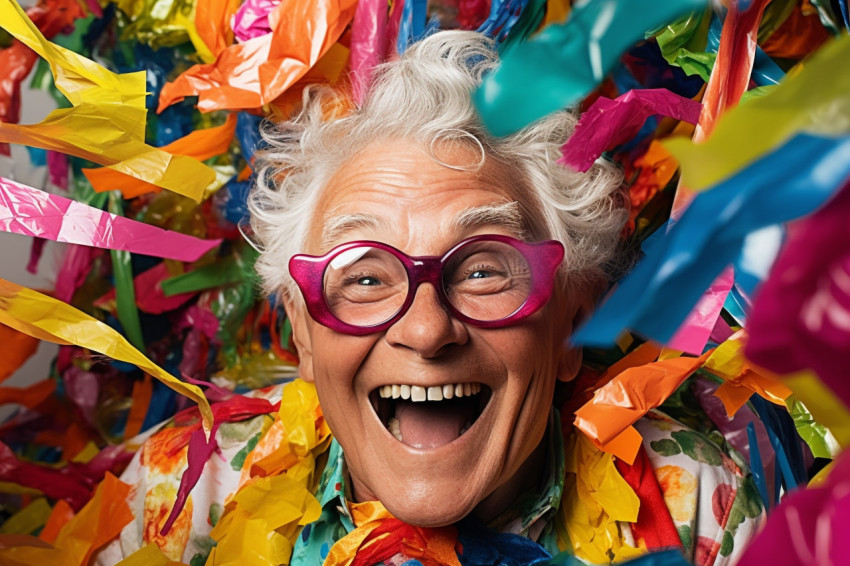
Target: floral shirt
<point>711,500</point>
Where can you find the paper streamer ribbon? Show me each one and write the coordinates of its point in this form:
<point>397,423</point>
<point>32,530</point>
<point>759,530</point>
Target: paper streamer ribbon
<point>254,73</point>
<point>199,144</point>
<point>658,294</point>
<point>107,122</point>
<point>48,319</point>
<point>815,100</point>
<point>563,63</point>
<point>608,123</point>
<point>31,212</point>
<point>608,418</point>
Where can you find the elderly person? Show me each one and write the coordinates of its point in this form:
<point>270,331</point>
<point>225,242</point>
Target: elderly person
<point>435,274</point>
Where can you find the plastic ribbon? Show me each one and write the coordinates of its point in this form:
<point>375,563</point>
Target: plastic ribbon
<point>254,73</point>
<point>48,319</point>
<point>368,43</point>
<point>607,419</point>
<point>659,293</point>
<point>608,123</point>
<point>252,19</point>
<point>199,144</point>
<point>17,349</point>
<point>31,212</point>
<point>817,99</point>
<point>561,64</point>
<point>212,20</point>
<point>107,122</point>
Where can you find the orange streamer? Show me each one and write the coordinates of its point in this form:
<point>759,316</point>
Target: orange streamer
<point>17,349</point>
<point>59,517</point>
<point>212,19</point>
<point>28,396</point>
<point>621,402</point>
<point>254,73</point>
<point>142,392</point>
<point>199,144</point>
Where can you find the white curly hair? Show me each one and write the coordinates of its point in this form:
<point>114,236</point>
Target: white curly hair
<point>424,96</point>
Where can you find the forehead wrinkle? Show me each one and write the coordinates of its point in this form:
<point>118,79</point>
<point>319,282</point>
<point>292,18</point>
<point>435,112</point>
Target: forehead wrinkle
<point>335,227</point>
<point>503,215</point>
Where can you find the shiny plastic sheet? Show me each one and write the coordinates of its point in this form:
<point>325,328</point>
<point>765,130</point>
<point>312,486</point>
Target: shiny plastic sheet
<point>254,73</point>
<point>164,23</point>
<point>799,316</point>
<point>824,406</point>
<point>106,124</point>
<point>199,144</point>
<point>48,319</point>
<point>817,99</point>
<point>31,212</point>
<point>659,293</point>
<point>618,404</point>
<point>563,63</point>
<point>125,294</point>
<point>608,123</point>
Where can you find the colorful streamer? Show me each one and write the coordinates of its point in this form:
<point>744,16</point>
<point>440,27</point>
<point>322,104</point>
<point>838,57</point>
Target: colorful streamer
<point>48,319</point>
<point>31,212</point>
<point>563,63</point>
<point>106,124</point>
<point>255,73</point>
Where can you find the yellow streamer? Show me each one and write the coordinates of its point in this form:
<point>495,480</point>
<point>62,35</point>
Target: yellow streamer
<point>149,555</point>
<point>815,100</point>
<point>107,122</point>
<point>54,321</point>
<point>28,519</point>
<point>595,497</point>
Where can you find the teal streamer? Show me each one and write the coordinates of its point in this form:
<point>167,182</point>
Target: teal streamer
<point>564,62</point>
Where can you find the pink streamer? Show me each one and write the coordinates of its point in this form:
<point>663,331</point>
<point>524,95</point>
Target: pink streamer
<point>692,335</point>
<point>608,123</point>
<point>800,315</point>
<point>72,274</point>
<point>31,212</point>
<point>35,254</point>
<point>368,42</point>
<point>57,168</point>
<point>252,19</point>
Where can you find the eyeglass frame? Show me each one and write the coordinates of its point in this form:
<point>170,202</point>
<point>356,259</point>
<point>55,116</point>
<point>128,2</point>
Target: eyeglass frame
<point>543,258</point>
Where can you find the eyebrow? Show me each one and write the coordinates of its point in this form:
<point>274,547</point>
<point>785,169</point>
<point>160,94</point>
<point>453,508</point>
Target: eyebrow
<point>337,226</point>
<point>503,215</point>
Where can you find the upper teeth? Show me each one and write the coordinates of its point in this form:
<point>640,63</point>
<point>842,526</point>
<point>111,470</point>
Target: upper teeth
<point>417,393</point>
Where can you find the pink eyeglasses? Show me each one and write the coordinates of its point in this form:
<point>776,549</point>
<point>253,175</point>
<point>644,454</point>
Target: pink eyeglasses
<point>489,281</point>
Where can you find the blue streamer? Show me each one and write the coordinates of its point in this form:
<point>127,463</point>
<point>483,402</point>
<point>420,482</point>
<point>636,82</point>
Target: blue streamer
<point>784,439</point>
<point>765,71</point>
<point>658,294</point>
<point>248,133</point>
<point>484,547</point>
<point>412,25</point>
<point>756,465</point>
<point>842,5</point>
<point>504,14</point>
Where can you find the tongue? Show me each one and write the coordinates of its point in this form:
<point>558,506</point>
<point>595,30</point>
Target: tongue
<point>433,424</point>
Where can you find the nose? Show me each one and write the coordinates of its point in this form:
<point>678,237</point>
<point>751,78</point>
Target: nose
<point>427,327</point>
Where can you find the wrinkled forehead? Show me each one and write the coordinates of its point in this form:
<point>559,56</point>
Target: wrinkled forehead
<point>404,194</point>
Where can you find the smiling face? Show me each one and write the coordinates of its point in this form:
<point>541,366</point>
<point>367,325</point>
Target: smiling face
<point>433,462</point>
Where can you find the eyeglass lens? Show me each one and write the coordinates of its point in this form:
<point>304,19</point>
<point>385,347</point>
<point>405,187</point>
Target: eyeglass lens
<point>483,280</point>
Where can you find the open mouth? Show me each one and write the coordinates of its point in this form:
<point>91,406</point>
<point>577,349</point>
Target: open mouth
<point>429,417</point>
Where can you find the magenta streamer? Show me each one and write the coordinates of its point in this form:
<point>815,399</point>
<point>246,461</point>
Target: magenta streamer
<point>608,123</point>
<point>801,315</point>
<point>368,41</point>
<point>252,19</point>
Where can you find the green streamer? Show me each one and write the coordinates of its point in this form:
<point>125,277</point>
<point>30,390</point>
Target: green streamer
<point>125,293</point>
<point>817,436</point>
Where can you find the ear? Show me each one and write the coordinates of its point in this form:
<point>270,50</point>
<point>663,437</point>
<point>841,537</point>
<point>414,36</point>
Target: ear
<point>301,337</point>
<point>570,363</point>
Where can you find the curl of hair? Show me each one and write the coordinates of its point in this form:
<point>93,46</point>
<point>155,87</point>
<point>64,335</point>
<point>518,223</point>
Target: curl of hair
<point>425,97</point>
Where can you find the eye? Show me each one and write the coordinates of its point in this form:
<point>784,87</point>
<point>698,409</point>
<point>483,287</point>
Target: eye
<point>368,281</point>
<point>481,273</point>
